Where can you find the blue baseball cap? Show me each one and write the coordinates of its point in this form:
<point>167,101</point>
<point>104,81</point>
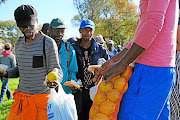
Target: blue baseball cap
<point>87,23</point>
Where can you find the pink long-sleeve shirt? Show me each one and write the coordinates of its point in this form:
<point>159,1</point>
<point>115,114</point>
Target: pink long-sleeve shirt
<point>156,32</point>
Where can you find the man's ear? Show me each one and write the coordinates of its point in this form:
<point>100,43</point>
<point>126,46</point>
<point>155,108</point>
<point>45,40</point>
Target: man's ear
<point>80,30</point>
<point>50,28</point>
<point>37,21</point>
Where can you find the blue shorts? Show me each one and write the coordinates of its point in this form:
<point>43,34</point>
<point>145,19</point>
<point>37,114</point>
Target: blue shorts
<point>147,97</point>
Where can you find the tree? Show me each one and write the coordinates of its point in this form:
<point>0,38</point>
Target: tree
<point>114,19</point>
<point>9,31</point>
<point>2,1</point>
<point>90,9</point>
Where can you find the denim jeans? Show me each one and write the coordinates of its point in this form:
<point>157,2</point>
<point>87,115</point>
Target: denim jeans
<point>5,89</point>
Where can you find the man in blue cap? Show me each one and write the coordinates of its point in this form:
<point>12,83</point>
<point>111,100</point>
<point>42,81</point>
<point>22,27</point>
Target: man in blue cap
<point>88,52</point>
<point>67,53</point>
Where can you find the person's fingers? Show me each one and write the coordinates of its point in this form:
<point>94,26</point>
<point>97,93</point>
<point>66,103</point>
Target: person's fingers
<point>80,89</point>
<point>52,84</point>
<point>106,73</point>
<point>109,73</point>
<point>96,70</point>
<point>99,77</point>
<point>73,88</point>
<point>96,76</point>
<point>4,73</point>
<point>108,78</point>
<point>49,84</point>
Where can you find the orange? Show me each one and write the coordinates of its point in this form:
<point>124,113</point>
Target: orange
<point>100,116</point>
<point>94,110</point>
<point>105,88</point>
<point>107,107</point>
<point>113,95</point>
<point>114,78</point>
<point>99,98</point>
<point>128,73</point>
<point>112,117</point>
<point>121,84</point>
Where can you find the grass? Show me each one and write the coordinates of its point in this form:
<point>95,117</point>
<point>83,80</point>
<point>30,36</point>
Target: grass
<point>5,107</point>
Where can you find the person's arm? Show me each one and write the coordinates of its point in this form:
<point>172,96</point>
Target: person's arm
<point>12,73</point>
<point>120,66</point>
<point>107,64</point>
<point>151,21</point>
<point>52,56</point>
<point>178,38</point>
<point>150,25</point>
<point>52,60</point>
<point>13,61</point>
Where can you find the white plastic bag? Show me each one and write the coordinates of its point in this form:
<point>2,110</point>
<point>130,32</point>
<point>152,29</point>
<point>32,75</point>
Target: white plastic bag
<point>61,106</point>
<point>93,90</point>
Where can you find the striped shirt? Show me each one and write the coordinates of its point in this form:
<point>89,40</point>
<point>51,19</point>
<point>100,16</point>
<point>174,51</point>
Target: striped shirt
<point>32,66</point>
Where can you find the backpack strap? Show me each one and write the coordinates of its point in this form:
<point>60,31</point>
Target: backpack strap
<point>68,52</point>
<point>44,40</point>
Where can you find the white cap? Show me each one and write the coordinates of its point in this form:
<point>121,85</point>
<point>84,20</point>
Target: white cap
<point>110,42</point>
<point>99,39</point>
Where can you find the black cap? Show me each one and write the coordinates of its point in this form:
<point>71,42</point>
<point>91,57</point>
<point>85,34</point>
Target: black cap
<point>25,15</point>
<point>72,40</point>
<point>45,27</point>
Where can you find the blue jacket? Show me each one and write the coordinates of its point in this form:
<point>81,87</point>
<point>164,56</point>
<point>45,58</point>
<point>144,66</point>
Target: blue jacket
<point>97,51</point>
<point>70,72</point>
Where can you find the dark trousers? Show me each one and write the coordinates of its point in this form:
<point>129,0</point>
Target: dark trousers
<point>83,104</point>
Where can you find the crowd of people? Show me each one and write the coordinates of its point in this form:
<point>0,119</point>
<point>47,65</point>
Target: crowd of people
<point>38,52</point>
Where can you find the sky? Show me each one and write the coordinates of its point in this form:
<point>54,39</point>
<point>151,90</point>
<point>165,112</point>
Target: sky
<point>47,10</point>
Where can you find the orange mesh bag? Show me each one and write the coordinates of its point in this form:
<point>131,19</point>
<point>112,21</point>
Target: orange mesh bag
<point>108,97</point>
